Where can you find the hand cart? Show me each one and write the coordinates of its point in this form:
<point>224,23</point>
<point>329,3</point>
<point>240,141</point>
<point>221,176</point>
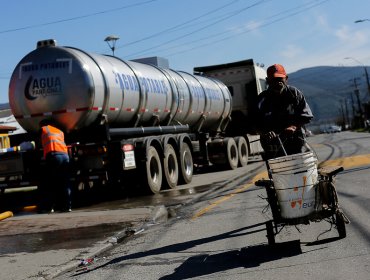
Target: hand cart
<point>325,204</point>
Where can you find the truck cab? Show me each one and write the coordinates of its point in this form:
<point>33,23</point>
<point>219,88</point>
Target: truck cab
<point>245,80</point>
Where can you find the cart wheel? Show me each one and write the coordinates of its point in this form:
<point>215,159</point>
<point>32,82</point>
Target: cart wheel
<point>270,233</point>
<point>341,226</point>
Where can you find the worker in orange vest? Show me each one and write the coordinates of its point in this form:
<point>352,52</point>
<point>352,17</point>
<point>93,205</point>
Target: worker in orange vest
<point>57,180</point>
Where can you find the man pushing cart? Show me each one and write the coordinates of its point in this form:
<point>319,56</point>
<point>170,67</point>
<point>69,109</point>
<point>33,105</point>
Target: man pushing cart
<point>297,191</point>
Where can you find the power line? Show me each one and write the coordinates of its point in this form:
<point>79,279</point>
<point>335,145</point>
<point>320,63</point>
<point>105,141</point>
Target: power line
<point>304,6</point>
<point>178,26</point>
<point>260,26</point>
<point>202,28</point>
<point>77,17</point>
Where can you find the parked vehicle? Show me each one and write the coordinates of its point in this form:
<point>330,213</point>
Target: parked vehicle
<point>333,129</point>
<point>128,123</point>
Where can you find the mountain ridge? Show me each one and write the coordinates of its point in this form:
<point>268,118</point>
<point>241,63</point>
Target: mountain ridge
<point>329,88</point>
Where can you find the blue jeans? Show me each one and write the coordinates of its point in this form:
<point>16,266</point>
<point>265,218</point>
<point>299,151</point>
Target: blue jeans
<point>57,186</point>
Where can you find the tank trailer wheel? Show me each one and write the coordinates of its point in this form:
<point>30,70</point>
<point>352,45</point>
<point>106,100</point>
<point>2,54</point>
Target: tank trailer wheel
<point>153,170</point>
<point>170,167</point>
<point>242,150</point>
<point>232,157</point>
<point>186,164</point>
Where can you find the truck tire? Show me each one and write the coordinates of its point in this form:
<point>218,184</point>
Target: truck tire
<point>186,164</point>
<point>170,167</point>
<point>153,170</point>
<point>232,158</point>
<point>242,150</point>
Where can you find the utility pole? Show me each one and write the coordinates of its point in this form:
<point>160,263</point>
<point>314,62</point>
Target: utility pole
<point>353,107</point>
<point>365,69</point>
<point>343,115</point>
<point>347,112</point>
<point>360,120</point>
<point>367,81</point>
<point>357,93</point>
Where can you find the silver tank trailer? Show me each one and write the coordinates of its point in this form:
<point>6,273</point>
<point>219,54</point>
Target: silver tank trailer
<point>75,88</point>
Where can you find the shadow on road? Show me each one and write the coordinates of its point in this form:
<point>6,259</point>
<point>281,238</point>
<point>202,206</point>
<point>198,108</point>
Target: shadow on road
<point>206,264</point>
<point>248,257</point>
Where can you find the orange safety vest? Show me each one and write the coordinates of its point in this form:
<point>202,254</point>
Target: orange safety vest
<point>52,140</point>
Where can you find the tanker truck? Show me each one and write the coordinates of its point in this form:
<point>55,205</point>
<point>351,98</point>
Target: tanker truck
<point>128,123</point>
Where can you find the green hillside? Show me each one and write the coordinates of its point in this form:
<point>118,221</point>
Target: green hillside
<point>327,87</point>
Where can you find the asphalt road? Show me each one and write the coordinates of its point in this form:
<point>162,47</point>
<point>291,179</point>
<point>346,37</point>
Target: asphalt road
<point>41,246</point>
<point>222,235</point>
<point>214,227</point>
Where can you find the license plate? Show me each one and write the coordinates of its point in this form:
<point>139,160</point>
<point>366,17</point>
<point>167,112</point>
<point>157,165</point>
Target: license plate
<point>129,161</point>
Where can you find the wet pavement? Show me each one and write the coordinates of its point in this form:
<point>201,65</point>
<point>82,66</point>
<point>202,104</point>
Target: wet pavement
<point>29,232</point>
<point>57,239</point>
<point>41,246</point>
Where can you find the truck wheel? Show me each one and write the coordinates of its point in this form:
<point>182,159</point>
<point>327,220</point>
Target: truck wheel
<point>232,158</point>
<point>242,150</point>
<point>186,164</point>
<point>153,170</point>
<point>170,167</point>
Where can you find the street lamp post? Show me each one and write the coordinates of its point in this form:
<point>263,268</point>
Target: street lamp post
<point>362,20</point>
<point>111,41</point>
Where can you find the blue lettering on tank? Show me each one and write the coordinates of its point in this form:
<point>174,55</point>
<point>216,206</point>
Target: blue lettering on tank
<point>152,85</point>
<point>129,83</point>
<point>141,83</point>
<point>135,84</point>
<point>157,86</point>
<point>125,81</point>
<point>164,87</point>
<point>119,81</point>
<point>146,86</point>
<point>129,78</point>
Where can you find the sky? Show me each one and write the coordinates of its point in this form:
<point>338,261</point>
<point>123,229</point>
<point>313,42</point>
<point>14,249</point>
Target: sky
<point>189,33</point>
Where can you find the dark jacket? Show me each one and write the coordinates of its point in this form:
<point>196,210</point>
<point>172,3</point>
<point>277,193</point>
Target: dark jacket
<point>278,111</point>
<point>275,112</point>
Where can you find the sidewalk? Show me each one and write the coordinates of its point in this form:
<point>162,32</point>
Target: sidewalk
<point>21,238</point>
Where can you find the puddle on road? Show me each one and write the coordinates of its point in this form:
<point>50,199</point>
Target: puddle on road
<point>84,237</point>
<point>166,197</point>
<point>60,239</point>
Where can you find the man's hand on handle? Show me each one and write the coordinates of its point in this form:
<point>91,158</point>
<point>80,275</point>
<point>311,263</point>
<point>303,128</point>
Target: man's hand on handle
<point>290,130</point>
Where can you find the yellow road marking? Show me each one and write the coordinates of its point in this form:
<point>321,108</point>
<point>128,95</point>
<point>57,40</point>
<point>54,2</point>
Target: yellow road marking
<point>227,197</point>
<point>217,202</point>
<point>348,162</point>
